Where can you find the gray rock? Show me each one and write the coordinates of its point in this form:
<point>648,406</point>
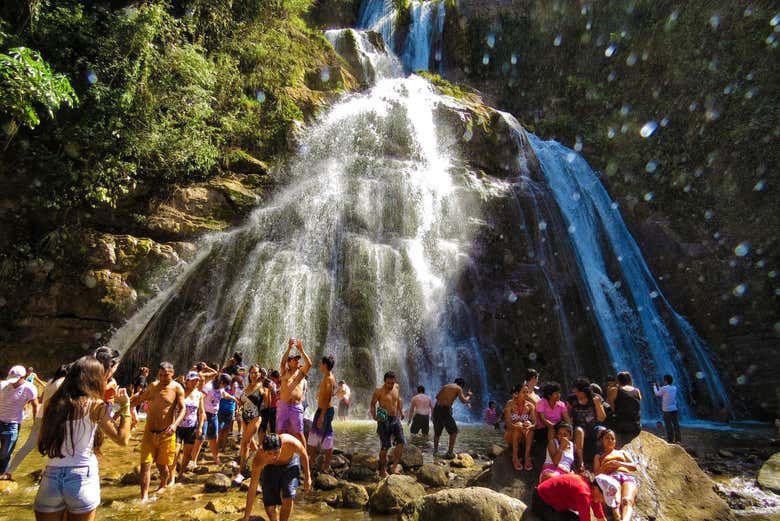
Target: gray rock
<point>394,492</point>
<point>464,504</point>
<point>769,475</point>
<point>433,475</point>
<point>353,495</point>
<point>360,473</point>
<point>217,483</point>
<point>463,461</point>
<point>411,457</point>
<point>325,482</point>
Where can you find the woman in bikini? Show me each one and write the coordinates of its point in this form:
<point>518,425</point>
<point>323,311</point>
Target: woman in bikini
<point>519,415</point>
<point>619,465</point>
<point>254,396</point>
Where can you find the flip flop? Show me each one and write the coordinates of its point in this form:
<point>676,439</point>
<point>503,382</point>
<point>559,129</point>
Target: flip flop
<point>529,465</point>
<point>518,466</point>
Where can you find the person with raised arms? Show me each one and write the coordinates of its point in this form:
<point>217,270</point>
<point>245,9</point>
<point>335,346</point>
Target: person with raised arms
<point>279,464</point>
<point>442,414</point>
<point>166,411</point>
<point>321,434</point>
<point>388,416</point>
<point>289,410</point>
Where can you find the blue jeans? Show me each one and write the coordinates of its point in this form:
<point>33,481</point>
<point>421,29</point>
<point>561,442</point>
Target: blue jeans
<point>9,433</point>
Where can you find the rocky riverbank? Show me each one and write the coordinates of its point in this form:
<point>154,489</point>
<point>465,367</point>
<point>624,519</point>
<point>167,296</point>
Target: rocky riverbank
<point>477,484</point>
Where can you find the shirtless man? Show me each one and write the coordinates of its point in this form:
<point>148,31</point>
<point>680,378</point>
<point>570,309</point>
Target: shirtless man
<point>279,462</point>
<point>321,434</point>
<point>343,393</point>
<point>166,411</point>
<point>442,414</point>
<point>388,417</point>
<point>289,410</point>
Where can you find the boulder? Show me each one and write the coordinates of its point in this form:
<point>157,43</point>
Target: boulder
<point>433,475</point>
<point>230,469</point>
<point>411,457</point>
<point>366,460</point>
<point>131,478</point>
<point>201,470</point>
<point>325,482</point>
<point>462,461</point>
<point>394,492</point>
<point>353,495</point>
<point>671,484</point>
<point>769,475</point>
<point>200,514</point>
<point>360,473</point>
<point>339,461</point>
<point>217,483</point>
<point>464,504</point>
<point>495,451</point>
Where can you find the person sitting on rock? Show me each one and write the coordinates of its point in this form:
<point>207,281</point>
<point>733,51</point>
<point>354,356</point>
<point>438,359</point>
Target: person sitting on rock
<point>278,465</point>
<point>625,400</point>
<point>551,410</point>
<point>560,453</point>
<point>619,465</point>
<point>586,413</point>
<point>518,417</point>
<point>581,493</point>
<point>388,416</point>
<point>442,414</point>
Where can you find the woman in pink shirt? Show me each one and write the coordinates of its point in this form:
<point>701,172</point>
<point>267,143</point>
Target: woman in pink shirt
<point>551,410</point>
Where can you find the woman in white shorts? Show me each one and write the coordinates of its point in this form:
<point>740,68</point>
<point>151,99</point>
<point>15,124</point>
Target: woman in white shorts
<point>74,424</point>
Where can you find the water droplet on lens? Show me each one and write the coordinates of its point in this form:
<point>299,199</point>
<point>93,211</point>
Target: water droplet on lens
<point>557,40</point>
<point>625,109</point>
<point>775,20</point>
<point>542,225</point>
<point>709,214</point>
<point>513,59</point>
<point>572,229</point>
<point>576,196</point>
<point>532,356</point>
<point>742,249</point>
<point>648,129</point>
<point>491,40</point>
<point>664,122</point>
<point>610,51</point>
<point>485,59</point>
<point>260,96</point>
<point>759,186</point>
<point>611,132</point>
<point>612,76</point>
<point>632,59</point>
<point>511,297</point>
<point>325,74</point>
<point>715,21</point>
<point>92,77</point>
<point>437,56</point>
<point>741,379</point>
<point>614,206</point>
<point>648,196</point>
<point>571,156</point>
<point>739,290</point>
<point>651,166</point>
<point>699,375</point>
<point>734,321</point>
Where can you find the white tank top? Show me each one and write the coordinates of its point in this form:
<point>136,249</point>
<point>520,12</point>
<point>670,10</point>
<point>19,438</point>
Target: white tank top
<point>80,450</point>
<point>567,459</point>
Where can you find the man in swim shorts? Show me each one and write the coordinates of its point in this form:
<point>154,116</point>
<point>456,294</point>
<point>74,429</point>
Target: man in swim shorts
<point>388,416</point>
<point>442,414</point>
<point>289,410</point>
<point>321,434</point>
<point>279,462</point>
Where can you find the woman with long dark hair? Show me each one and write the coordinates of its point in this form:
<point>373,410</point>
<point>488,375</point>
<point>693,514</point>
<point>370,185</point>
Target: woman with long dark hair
<point>74,424</point>
<point>251,401</point>
<point>587,412</point>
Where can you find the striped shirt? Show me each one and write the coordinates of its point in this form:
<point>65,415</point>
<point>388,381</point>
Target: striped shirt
<point>13,399</point>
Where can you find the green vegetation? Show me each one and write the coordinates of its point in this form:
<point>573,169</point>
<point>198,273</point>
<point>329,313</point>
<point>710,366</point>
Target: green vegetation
<point>167,91</point>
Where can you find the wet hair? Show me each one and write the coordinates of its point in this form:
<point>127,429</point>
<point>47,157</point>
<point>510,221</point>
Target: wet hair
<point>603,432</point>
<point>550,388</point>
<point>563,425</point>
<point>272,442</point>
<point>61,371</point>
<point>200,366</point>
<point>491,403</point>
<point>516,388</point>
<point>460,381</point>
<point>596,388</point>
<point>84,383</point>
<point>531,373</point>
<point>107,356</point>
<point>583,386</point>
<point>389,375</point>
<point>329,362</point>
<point>610,378</point>
<point>342,382</point>
<point>224,380</point>
<point>420,389</point>
<point>238,357</point>
<point>274,373</point>
<point>668,379</point>
<point>624,378</point>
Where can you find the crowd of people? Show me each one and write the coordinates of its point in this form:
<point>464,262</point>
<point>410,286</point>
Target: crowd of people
<point>83,403</point>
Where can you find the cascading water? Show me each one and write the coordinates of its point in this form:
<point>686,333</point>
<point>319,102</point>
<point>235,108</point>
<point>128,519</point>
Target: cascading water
<point>641,330</point>
<point>357,256</point>
<point>421,49</point>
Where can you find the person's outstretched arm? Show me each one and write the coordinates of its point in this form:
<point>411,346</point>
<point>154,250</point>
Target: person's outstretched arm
<point>283,362</point>
<point>306,360</point>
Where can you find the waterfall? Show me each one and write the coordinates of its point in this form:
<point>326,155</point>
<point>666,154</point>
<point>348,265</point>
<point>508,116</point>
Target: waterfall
<point>422,47</point>
<point>357,256</point>
<point>641,330</point>
<point>366,53</point>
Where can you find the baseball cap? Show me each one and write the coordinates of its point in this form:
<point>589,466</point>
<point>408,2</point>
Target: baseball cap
<point>294,357</point>
<point>610,488</point>
<point>16,372</point>
<point>193,375</point>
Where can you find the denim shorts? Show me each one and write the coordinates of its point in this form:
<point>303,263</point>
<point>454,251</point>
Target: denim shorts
<point>75,489</point>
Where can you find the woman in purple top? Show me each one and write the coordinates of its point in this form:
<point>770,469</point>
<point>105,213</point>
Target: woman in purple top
<point>551,410</point>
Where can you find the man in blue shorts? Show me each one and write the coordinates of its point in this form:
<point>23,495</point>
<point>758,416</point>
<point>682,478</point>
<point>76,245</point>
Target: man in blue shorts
<point>388,416</point>
<point>279,462</point>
